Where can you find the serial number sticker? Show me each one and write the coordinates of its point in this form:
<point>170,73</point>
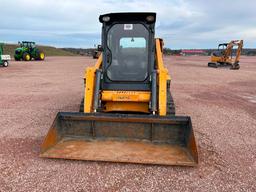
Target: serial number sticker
<point>128,26</point>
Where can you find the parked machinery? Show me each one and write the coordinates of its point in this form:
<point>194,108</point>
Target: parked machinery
<point>128,113</point>
<point>224,56</point>
<point>28,51</point>
<point>4,59</point>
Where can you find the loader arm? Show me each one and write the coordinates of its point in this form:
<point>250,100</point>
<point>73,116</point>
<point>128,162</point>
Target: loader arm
<point>89,77</point>
<point>228,51</point>
<point>163,76</point>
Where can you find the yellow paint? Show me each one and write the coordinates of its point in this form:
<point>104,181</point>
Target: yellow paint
<point>115,106</point>
<point>27,57</point>
<point>163,76</point>
<point>133,101</point>
<point>226,57</point>
<point>42,56</point>
<point>126,96</point>
<point>215,59</point>
<point>99,62</point>
<point>89,86</point>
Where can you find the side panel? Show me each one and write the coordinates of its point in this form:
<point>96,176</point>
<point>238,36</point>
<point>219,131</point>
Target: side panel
<point>5,57</point>
<point>116,106</point>
<point>215,59</point>
<point>126,96</point>
<point>124,101</point>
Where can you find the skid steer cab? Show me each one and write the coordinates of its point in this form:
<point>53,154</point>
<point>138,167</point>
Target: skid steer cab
<point>127,113</point>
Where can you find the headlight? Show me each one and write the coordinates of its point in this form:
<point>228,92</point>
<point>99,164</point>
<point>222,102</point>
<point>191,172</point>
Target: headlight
<point>150,18</point>
<point>106,18</point>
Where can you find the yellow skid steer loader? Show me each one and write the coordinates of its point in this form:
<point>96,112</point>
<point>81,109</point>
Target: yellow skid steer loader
<point>127,113</point>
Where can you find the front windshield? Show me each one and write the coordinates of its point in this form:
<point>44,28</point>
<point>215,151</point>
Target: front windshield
<point>128,44</point>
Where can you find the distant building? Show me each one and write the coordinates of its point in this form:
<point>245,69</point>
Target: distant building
<point>185,52</point>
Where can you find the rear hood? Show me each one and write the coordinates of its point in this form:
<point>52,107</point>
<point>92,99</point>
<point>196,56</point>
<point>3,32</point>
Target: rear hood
<point>18,49</point>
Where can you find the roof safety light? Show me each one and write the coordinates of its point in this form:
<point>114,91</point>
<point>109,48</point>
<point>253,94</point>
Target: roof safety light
<point>150,18</point>
<point>106,18</point>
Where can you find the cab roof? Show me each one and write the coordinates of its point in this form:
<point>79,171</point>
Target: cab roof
<point>129,17</point>
<point>225,44</point>
<point>28,42</point>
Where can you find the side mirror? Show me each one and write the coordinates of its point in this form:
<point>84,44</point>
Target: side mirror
<point>100,48</point>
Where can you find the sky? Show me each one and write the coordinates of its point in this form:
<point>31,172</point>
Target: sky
<point>181,23</point>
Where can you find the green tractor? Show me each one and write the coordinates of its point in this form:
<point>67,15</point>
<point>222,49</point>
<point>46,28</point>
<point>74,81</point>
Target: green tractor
<point>28,51</point>
<point>4,58</point>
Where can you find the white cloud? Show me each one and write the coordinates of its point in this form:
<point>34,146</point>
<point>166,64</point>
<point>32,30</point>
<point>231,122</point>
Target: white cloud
<point>182,23</point>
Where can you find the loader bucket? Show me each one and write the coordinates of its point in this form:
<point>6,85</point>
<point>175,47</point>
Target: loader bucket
<point>126,138</point>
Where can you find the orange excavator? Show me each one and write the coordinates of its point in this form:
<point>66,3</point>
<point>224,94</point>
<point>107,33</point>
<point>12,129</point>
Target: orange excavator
<point>224,57</point>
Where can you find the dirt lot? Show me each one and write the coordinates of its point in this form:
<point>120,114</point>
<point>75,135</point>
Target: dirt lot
<point>221,102</point>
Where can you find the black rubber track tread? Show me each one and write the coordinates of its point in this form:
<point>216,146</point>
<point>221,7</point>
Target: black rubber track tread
<point>81,108</point>
<point>170,105</point>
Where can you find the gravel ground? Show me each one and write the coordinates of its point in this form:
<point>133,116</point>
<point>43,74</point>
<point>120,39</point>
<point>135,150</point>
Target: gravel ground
<point>221,102</point>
